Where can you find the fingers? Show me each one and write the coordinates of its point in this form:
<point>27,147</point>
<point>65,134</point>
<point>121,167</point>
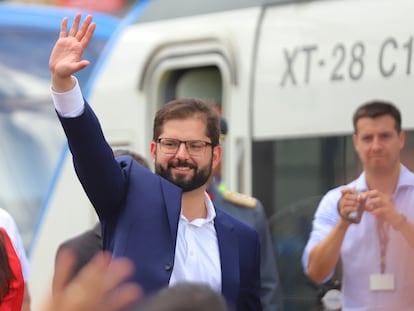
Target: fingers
<point>345,191</point>
<point>87,23</point>
<point>379,204</point>
<point>119,295</point>
<point>120,299</point>
<point>93,274</point>
<point>87,37</point>
<point>66,57</point>
<point>65,263</point>
<point>100,285</point>
<point>349,197</point>
<point>84,33</point>
<point>75,26</point>
<point>63,28</point>
<point>104,275</point>
<point>118,271</point>
<point>372,204</point>
<point>350,204</point>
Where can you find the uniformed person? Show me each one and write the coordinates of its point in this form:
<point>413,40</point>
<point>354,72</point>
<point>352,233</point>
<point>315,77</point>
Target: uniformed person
<point>250,210</point>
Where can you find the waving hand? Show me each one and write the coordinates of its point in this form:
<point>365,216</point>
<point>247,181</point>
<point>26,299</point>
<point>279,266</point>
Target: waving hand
<point>66,57</point>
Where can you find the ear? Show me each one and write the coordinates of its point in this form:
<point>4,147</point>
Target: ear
<point>402,139</point>
<point>217,151</point>
<point>355,141</point>
<point>153,149</point>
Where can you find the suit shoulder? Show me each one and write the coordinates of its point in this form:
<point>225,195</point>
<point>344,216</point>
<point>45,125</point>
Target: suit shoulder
<point>239,199</point>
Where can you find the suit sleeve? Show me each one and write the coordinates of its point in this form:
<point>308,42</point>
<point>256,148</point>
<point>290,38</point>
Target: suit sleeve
<point>101,176</point>
<point>249,299</point>
<point>270,295</point>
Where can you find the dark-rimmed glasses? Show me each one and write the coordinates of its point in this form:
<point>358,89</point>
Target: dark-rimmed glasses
<point>194,148</point>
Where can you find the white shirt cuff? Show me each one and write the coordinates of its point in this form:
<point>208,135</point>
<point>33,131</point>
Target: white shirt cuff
<point>69,104</point>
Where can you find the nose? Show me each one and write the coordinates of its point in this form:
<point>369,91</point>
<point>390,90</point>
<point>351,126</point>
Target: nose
<point>182,151</point>
<point>376,143</point>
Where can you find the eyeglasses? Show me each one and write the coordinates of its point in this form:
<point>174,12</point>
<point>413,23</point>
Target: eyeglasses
<point>194,148</point>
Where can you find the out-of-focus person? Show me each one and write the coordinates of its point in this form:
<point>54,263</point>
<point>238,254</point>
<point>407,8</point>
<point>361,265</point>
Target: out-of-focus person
<point>8,223</point>
<point>368,223</point>
<point>101,285</point>
<point>186,297</point>
<point>11,277</point>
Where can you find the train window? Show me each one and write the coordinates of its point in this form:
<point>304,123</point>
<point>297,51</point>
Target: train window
<point>302,170</point>
<point>203,83</point>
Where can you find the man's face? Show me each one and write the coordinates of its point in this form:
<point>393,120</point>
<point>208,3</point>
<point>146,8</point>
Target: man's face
<point>378,143</point>
<point>185,170</point>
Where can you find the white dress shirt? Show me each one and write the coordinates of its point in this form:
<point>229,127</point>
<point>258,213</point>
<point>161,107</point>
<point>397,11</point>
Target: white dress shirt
<point>360,251</point>
<point>197,257</point>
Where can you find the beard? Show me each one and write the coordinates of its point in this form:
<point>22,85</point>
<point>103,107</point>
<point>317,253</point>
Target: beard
<point>200,177</point>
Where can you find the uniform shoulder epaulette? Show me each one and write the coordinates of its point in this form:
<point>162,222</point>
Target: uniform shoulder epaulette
<point>239,199</point>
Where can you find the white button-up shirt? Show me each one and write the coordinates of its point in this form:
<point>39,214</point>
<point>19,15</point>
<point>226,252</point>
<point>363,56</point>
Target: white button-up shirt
<point>360,251</point>
<point>197,257</point>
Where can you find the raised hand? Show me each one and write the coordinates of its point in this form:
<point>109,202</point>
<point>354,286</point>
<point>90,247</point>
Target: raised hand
<point>99,286</point>
<point>381,206</point>
<point>66,57</point>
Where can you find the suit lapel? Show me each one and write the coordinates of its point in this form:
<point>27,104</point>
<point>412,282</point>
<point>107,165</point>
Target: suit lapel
<point>172,199</point>
<point>229,256</point>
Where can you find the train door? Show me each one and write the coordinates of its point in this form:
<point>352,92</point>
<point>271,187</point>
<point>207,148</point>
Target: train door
<point>202,70</point>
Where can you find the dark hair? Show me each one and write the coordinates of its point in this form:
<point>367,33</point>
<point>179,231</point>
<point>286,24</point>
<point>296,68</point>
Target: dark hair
<point>140,159</point>
<point>6,273</point>
<point>182,109</point>
<point>377,108</point>
<point>186,297</point>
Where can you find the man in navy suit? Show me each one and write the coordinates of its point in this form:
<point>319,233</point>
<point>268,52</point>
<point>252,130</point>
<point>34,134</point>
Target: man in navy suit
<point>165,222</point>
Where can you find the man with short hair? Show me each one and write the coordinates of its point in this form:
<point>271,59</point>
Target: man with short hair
<point>368,224</point>
<point>165,222</point>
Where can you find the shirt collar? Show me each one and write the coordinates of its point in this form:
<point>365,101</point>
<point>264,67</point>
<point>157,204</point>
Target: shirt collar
<point>406,179</point>
<point>211,213</point>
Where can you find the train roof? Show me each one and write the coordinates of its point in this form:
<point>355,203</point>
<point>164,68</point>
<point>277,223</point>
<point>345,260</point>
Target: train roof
<point>49,17</point>
<point>163,9</point>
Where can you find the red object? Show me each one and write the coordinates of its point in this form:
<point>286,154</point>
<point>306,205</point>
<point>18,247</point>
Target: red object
<point>14,299</point>
<point>210,195</point>
<point>95,5</point>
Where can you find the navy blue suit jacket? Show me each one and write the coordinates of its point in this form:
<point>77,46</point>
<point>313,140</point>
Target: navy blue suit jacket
<point>139,213</point>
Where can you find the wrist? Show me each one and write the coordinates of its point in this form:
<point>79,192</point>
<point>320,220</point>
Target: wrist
<point>343,218</point>
<point>401,221</point>
<point>62,85</point>
<point>343,222</point>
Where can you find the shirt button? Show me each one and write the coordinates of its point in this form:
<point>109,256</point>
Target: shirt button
<point>168,267</point>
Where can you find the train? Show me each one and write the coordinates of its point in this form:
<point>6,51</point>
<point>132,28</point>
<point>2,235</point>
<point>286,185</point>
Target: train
<point>287,74</point>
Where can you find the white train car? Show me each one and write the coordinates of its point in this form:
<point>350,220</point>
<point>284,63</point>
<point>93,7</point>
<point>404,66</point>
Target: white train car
<point>288,74</point>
